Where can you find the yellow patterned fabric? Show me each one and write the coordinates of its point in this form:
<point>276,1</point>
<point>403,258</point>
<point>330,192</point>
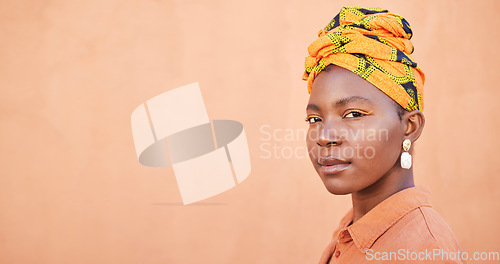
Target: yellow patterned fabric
<point>374,44</point>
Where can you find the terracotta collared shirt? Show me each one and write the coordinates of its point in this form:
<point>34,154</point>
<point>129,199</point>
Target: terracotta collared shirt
<point>401,229</point>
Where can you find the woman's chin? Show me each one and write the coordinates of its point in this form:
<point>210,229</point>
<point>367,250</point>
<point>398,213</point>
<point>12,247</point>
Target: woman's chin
<point>337,189</point>
<point>337,185</point>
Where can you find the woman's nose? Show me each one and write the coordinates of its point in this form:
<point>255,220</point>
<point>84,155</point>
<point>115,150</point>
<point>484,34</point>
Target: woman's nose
<point>330,135</point>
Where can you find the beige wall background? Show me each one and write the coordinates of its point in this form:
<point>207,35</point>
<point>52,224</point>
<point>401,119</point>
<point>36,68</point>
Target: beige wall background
<point>72,72</point>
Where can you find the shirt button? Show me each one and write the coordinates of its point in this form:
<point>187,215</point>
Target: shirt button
<point>337,254</point>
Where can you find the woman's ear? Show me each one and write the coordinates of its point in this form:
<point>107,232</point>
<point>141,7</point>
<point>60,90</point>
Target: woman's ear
<point>414,121</point>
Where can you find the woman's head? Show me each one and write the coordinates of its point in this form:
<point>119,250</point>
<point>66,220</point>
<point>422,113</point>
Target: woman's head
<point>365,99</point>
<point>355,131</point>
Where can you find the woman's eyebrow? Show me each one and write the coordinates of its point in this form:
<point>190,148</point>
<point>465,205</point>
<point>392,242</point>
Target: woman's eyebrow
<point>312,107</point>
<point>342,102</point>
<point>346,100</point>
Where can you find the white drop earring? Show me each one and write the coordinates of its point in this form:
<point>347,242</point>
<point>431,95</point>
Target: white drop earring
<point>405,156</point>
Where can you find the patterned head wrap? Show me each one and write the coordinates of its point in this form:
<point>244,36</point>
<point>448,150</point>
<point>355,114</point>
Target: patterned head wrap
<point>374,44</point>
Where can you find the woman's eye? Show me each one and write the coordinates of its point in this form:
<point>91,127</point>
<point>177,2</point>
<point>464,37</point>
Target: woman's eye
<point>354,114</point>
<point>313,119</point>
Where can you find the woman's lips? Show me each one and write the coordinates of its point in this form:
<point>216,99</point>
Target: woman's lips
<point>333,169</point>
<point>332,165</point>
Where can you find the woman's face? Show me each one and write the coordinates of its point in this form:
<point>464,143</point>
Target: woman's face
<point>355,134</point>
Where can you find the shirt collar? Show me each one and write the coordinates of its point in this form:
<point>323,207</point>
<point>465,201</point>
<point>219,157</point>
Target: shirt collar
<point>373,224</point>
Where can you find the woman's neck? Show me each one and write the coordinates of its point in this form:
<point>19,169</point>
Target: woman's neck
<point>395,180</point>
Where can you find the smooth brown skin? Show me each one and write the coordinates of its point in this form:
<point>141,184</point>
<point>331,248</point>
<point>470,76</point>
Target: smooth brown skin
<point>371,176</point>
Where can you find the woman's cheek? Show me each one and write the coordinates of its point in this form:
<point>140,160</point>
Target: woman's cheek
<point>311,145</point>
<point>381,152</point>
<point>369,146</point>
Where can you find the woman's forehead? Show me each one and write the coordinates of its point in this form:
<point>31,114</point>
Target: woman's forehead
<point>340,86</point>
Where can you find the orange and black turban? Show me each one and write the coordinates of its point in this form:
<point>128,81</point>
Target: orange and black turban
<point>374,44</point>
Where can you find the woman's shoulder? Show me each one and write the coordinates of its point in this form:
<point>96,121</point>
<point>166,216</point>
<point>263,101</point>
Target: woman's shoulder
<point>438,228</point>
<point>423,228</point>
